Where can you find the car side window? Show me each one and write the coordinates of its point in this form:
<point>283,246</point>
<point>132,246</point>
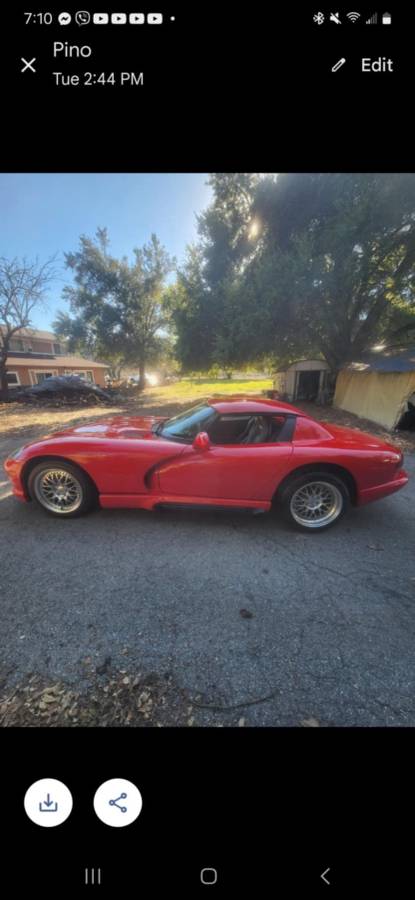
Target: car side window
<point>228,429</point>
<point>250,429</point>
<point>277,429</point>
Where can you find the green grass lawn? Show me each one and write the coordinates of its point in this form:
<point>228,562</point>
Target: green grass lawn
<point>188,390</point>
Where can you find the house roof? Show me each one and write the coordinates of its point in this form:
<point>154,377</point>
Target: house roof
<point>31,354</point>
<point>33,333</point>
<point>391,359</point>
<point>14,360</point>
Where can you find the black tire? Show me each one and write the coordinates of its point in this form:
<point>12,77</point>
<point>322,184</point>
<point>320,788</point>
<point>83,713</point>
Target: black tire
<point>330,492</point>
<point>49,492</point>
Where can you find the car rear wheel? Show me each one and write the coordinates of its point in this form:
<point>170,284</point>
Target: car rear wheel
<point>315,501</point>
<point>61,488</point>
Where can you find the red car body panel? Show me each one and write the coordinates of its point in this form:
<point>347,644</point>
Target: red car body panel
<point>230,472</point>
<point>133,467</point>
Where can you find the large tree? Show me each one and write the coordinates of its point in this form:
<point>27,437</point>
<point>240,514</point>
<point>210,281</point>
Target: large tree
<point>23,287</point>
<point>119,309</point>
<point>200,298</point>
<point>342,248</point>
<point>196,313</point>
<point>320,263</point>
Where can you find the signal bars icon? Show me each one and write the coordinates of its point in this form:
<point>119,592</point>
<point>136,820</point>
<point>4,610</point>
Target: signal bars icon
<point>386,19</point>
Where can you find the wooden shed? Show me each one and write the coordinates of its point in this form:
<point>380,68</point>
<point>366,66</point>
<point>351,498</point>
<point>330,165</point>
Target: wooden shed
<point>306,379</point>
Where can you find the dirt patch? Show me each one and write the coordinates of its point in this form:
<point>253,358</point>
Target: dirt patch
<point>16,419</point>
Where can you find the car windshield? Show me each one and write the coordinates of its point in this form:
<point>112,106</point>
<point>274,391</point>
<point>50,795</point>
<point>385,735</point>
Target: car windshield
<point>187,424</point>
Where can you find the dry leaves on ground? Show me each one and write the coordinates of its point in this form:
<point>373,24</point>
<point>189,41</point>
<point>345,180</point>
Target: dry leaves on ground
<point>115,700</point>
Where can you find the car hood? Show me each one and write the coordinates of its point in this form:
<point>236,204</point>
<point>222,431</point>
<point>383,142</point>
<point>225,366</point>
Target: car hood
<point>354,438</point>
<point>115,427</point>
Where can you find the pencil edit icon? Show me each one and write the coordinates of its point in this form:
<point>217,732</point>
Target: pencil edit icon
<point>338,64</point>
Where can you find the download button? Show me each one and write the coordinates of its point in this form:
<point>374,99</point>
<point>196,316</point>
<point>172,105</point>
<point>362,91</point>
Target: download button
<point>48,802</point>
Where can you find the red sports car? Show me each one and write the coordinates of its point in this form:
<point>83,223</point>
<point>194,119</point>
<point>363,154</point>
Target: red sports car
<point>237,452</point>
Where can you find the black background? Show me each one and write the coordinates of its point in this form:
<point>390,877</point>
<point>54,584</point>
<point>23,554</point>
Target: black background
<point>224,91</point>
<point>266,808</point>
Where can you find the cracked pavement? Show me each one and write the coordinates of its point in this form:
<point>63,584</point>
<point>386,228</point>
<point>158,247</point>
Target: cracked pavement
<point>327,630</point>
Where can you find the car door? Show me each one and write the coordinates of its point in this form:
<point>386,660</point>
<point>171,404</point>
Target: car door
<point>228,471</point>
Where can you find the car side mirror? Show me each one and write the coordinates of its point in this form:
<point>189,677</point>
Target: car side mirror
<point>201,441</point>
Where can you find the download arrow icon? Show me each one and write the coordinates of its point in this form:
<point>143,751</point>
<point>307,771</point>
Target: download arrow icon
<point>49,804</point>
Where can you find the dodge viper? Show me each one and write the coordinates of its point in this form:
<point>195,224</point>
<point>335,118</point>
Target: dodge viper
<point>250,453</point>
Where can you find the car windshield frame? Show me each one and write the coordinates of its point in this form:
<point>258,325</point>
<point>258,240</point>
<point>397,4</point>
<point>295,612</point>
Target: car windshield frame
<point>189,414</point>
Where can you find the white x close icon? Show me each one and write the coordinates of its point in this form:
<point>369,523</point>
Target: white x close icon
<point>28,65</point>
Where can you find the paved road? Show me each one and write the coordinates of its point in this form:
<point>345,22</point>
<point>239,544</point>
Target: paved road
<point>331,634</point>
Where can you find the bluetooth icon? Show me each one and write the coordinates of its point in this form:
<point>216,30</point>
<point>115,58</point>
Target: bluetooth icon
<point>318,18</point>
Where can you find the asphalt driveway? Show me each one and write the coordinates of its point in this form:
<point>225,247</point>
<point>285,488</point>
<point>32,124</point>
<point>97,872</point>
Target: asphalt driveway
<point>247,617</point>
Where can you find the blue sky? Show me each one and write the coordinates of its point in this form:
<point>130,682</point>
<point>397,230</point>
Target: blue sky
<point>44,214</point>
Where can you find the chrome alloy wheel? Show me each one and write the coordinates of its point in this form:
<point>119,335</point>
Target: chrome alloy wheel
<point>58,490</point>
<point>316,504</point>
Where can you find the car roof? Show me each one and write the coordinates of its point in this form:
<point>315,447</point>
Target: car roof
<point>241,403</point>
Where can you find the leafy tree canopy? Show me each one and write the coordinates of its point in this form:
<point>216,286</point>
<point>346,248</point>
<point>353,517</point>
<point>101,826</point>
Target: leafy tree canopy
<point>119,309</point>
<point>292,265</point>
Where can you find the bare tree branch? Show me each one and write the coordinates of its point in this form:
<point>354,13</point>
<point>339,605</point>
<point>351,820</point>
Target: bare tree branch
<point>23,287</point>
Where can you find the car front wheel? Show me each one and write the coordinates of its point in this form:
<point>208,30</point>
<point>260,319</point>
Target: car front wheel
<point>315,501</point>
<point>61,488</point>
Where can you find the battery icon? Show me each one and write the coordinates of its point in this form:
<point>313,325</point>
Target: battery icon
<point>386,19</point>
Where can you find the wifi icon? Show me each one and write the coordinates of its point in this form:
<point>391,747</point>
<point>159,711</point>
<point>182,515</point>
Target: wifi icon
<point>353,16</point>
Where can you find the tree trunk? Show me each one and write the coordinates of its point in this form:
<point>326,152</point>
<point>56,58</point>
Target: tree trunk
<point>337,354</point>
<point>142,373</point>
<point>4,387</point>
